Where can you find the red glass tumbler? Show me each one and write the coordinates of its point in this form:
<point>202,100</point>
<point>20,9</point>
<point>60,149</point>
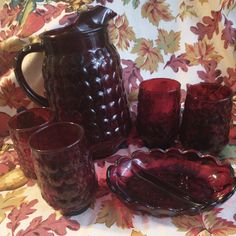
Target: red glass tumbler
<point>21,127</point>
<point>64,167</point>
<point>158,112</point>
<point>206,118</point>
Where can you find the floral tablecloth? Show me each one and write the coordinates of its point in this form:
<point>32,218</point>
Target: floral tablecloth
<point>187,40</point>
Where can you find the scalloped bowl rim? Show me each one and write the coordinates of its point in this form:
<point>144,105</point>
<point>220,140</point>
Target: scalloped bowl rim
<point>135,203</point>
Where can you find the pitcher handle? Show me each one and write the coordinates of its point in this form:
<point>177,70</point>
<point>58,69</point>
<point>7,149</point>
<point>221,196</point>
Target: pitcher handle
<point>35,47</point>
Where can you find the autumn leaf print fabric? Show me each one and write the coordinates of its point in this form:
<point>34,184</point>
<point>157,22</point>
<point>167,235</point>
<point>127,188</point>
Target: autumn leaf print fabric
<point>187,40</point>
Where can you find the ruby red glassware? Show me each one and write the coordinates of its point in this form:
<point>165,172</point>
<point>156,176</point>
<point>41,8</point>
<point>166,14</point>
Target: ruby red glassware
<point>171,182</point>
<point>158,112</point>
<point>21,127</point>
<point>64,167</point>
<point>206,117</point>
<point>83,79</point>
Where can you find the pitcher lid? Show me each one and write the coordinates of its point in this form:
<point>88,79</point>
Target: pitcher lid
<point>94,19</point>
<point>88,21</point>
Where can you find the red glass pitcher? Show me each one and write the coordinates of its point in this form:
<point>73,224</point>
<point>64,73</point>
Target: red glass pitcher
<point>83,79</point>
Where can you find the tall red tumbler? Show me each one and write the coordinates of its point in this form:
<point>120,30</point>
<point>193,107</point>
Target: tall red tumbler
<point>158,115</point>
<point>21,127</point>
<point>64,167</point>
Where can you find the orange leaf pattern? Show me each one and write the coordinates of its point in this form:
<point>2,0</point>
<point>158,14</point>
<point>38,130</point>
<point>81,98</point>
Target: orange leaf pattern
<point>148,56</point>
<point>208,223</point>
<point>121,33</point>
<point>168,41</point>
<point>11,95</point>
<point>186,10</point>
<point>157,10</point>
<point>201,52</point>
<point>114,212</point>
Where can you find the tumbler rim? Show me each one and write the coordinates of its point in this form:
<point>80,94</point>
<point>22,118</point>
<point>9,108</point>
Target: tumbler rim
<point>158,80</point>
<point>80,130</point>
<point>12,119</point>
<point>189,95</point>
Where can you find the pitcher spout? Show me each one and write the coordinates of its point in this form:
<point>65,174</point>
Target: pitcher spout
<point>94,18</point>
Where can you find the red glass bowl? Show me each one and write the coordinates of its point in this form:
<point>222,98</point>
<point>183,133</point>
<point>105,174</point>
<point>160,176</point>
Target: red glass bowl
<point>171,182</point>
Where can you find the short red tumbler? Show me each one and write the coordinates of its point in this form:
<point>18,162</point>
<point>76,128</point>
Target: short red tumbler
<point>158,115</point>
<point>206,118</point>
<point>64,167</point>
<point>21,127</point>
